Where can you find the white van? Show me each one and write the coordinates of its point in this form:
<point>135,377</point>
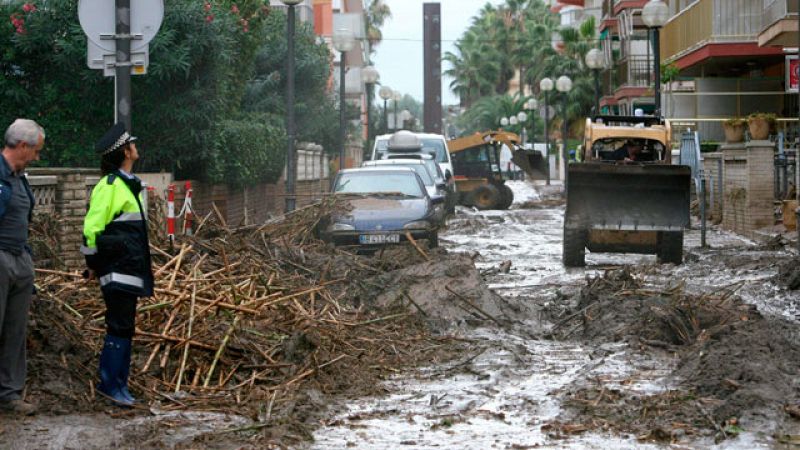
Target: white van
<point>434,144</point>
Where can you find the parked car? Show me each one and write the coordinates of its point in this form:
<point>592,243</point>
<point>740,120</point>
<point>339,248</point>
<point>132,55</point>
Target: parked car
<point>433,188</point>
<point>408,143</point>
<point>433,144</point>
<point>384,204</point>
<point>451,196</point>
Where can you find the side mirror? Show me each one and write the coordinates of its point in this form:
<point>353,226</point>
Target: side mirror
<point>441,186</point>
<point>447,175</point>
<point>437,199</point>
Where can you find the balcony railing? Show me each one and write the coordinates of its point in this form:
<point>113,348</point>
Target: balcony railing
<point>777,10</point>
<point>634,71</point>
<point>711,21</point>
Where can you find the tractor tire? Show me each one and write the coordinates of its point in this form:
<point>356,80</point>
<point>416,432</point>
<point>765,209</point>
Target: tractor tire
<point>670,247</point>
<point>574,249</point>
<point>433,239</point>
<point>485,197</point>
<point>506,197</point>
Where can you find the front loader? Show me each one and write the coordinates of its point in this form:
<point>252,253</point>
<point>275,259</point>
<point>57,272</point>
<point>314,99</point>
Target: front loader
<point>621,201</point>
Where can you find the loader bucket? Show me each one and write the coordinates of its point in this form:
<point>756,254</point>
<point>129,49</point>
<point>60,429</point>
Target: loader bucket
<point>531,162</point>
<point>627,197</point>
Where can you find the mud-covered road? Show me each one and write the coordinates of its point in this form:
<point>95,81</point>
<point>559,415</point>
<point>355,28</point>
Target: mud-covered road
<point>511,391</point>
<point>625,353</point>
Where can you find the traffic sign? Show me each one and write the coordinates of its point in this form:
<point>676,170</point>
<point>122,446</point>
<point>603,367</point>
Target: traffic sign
<point>98,20</point>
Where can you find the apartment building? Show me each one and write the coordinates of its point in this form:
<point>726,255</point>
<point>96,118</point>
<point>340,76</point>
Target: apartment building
<point>627,81</point>
<point>329,15</point>
<point>730,59</point>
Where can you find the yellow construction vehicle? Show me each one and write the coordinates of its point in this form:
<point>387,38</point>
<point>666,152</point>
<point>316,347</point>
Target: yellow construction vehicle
<point>480,180</point>
<point>625,196</point>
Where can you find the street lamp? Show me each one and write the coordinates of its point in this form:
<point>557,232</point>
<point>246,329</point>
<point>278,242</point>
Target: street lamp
<point>546,85</point>
<point>504,122</point>
<point>595,61</point>
<point>564,85</point>
<point>396,97</point>
<point>655,14</point>
<point>531,106</point>
<point>370,76</point>
<point>512,120</point>
<point>291,161</point>
<point>405,115</point>
<point>343,41</point>
<point>522,116</point>
<point>385,93</point>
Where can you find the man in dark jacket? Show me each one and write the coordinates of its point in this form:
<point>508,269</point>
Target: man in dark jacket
<point>628,152</point>
<point>24,140</point>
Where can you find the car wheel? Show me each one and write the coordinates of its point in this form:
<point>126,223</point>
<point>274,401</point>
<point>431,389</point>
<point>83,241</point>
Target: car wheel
<point>485,197</point>
<point>506,197</point>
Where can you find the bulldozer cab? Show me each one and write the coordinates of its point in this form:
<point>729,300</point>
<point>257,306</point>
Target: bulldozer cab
<point>478,156</point>
<point>641,139</point>
<point>477,169</point>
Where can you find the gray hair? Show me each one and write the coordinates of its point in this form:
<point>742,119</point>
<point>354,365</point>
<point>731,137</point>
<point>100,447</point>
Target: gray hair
<point>23,130</point>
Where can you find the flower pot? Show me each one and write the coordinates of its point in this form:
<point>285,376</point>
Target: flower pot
<point>759,128</point>
<point>733,133</point>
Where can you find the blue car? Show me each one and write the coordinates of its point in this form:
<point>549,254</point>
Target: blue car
<point>385,203</point>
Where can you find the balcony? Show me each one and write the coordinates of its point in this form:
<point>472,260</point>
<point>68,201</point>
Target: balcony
<point>634,71</point>
<point>779,24</point>
<point>714,28</point>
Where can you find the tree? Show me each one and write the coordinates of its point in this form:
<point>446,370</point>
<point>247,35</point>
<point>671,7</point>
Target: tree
<point>194,111</point>
<point>375,15</point>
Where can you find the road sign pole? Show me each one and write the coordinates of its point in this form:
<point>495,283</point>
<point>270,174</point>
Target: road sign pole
<point>122,99</point>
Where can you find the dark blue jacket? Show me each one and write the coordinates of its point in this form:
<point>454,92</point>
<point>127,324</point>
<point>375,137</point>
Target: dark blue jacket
<point>6,189</point>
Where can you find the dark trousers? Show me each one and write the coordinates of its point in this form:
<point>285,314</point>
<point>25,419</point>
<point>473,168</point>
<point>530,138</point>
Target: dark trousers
<point>16,290</point>
<point>120,314</point>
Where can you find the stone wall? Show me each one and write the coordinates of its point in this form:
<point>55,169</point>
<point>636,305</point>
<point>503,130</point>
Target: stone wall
<point>748,173</point>
<point>65,192</point>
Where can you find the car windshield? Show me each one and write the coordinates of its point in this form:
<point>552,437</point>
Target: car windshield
<point>432,146</point>
<point>434,169</point>
<point>378,182</point>
<point>421,170</point>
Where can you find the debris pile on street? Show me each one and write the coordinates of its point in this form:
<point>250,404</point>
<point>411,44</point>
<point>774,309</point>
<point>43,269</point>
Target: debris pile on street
<point>240,319</point>
<point>734,366</point>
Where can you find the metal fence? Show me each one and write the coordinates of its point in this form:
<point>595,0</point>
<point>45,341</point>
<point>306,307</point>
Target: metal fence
<point>785,168</point>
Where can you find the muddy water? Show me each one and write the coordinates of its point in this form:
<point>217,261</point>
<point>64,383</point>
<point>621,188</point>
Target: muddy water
<point>503,396</point>
<point>500,396</point>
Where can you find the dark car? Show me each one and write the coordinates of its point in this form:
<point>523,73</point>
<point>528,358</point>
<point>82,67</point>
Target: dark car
<point>385,203</point>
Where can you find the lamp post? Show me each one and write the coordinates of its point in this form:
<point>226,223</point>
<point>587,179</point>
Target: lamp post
<point>385,93</point>
<point>655,14</point>
<point>504,122</point>
<point>370,76</point>
<point>343,41</point>
<point>291,160</point>
<point>546,85</point>
<point>522,116</point>
<point>564,85</point>
<point>594,61</point>
<point>531,106</point>
<point>396,97</point>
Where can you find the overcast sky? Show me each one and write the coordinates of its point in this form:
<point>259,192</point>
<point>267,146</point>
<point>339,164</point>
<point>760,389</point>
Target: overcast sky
<point>399,56</point>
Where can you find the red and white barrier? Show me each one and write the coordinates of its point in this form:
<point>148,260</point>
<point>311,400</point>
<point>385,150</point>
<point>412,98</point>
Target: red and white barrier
<point>187,211</point>
<point>171,212</point>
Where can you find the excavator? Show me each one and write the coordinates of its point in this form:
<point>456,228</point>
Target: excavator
<point>477,171</point>
<point>625,195</point>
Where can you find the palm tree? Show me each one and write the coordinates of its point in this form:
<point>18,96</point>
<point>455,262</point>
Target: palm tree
<point>375,15</point>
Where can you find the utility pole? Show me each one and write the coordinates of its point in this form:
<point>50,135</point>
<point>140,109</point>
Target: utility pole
<point>122,79</point>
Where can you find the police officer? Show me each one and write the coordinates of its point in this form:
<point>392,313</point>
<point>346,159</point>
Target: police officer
<point>24,140</point>
<point>117,253</point>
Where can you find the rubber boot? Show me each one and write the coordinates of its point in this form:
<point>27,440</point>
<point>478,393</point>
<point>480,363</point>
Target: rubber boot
<point>111,359</point>
<point>124,372</point>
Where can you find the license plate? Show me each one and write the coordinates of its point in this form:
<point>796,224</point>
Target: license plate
<point>379,238</point>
